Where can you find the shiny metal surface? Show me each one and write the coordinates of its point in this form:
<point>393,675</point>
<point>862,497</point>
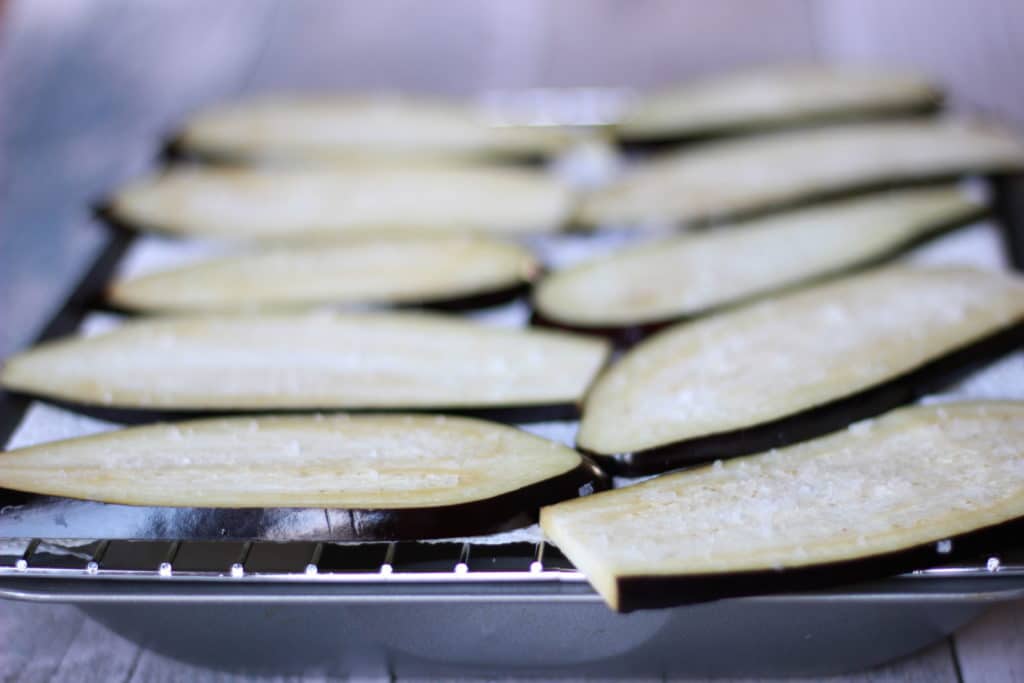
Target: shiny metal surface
<point>453,609</point>
<point>383,570</point>
<point>551,631</point>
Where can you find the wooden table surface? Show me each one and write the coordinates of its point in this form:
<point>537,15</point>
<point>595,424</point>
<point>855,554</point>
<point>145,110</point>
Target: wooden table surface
<point>87,88</point>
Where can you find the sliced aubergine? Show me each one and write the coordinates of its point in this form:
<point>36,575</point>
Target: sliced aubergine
<point>398,476</point>
<point>797,366</point>
<point>327,128</point>
<point>441,272</point>
<point>276,204</point>
<point>312,361</point>
<point>768,172</point>
<point>864,503</point>
<point>773,98</point>
<point>637,290</point>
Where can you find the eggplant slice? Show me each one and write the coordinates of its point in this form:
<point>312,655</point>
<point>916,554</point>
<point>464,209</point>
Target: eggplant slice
<point>649,286</point>
<point>450,272</point>
<point>763,173</point>
<point>859,504</point>
<point>315,129</point>
<point>270,362</point>
<point>773,98</point>
<point>403,476</point>
<point>276,204</point>
<point>797,366</point>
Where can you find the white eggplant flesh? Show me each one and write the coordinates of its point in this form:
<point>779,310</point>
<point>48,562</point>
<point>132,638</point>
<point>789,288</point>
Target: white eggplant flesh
<point>847,505</point>
<point>765,172</point>
<point>328,203</point>
<point>335,461</point>
<point>329,128</point>
<point>310,361</point>
<point>770,97</point>
<point>373,271</point>
<point>691,274</point>
<point>787,355</point>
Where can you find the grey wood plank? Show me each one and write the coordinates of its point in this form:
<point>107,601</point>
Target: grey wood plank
<point>91,117</point>
<point>991,649</point>
<point>35,638</point>
<point>385,45</point>
<point>34,43</point>
<point>974,47</point>
<point>933,665</point>
<point>156,668</point>
<point>28,45</point>
<point>97,654</point>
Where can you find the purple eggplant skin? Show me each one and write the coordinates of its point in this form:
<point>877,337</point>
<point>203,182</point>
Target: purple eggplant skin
<point>509,414</point>
<point>1008,206</point>
<point>508,511</point>
<point>174,151</point>
<point>656,592</point>
<point>476,301</point>
<point>881,184</point>
<point>671,141</point>
<point>622,337</point>
<point>504,512</point>
<point>818,420</point>
<point>103,211</point>
<point>625,336</point>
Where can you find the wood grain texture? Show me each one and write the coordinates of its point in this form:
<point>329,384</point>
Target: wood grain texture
<point>85,92</point>
<point>933,665</point>
<point>991,650</point>
<point>619,42</point>
<point>36,639</point>
<point>973,47</point>
<point>95,654</point>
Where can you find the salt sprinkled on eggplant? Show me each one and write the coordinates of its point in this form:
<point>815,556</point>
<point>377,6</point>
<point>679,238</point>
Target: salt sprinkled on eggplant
<point>769,361</point>
<point>917,478</point>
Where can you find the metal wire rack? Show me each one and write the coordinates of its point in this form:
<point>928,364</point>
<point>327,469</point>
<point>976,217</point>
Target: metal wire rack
<point>395,562</point>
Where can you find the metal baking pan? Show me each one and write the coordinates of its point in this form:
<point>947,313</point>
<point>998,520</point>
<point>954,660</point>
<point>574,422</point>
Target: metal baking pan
<point>259,599</point>
<point>441,610</point>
